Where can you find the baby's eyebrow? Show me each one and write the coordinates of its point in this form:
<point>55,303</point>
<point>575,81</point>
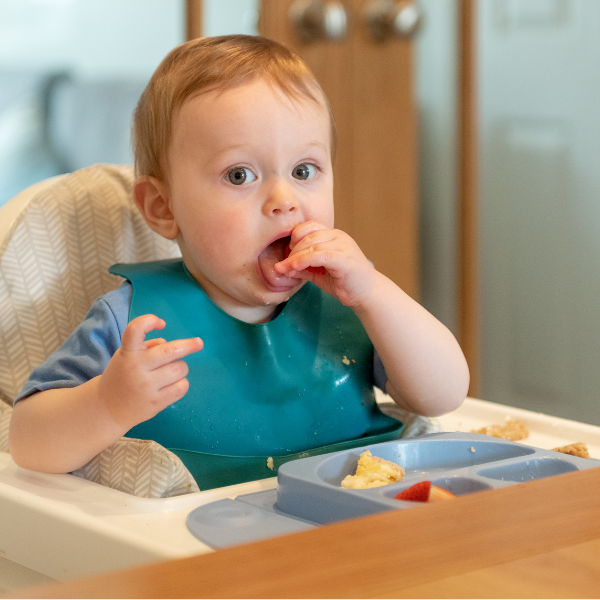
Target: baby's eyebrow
<point>229,149</point>
<point>233,147</point>
<point>217,154</point>
<point>318,145</point>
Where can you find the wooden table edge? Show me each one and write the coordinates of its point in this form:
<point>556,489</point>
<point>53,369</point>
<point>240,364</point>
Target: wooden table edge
<point>376,556</point>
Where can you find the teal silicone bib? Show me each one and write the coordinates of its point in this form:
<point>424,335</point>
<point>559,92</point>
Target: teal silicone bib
<point>298,385</point>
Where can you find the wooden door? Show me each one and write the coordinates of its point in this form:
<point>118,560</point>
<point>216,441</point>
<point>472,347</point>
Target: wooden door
<point>370,86</point>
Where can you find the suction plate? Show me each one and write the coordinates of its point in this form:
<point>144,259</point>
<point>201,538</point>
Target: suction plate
<point>309,491</point>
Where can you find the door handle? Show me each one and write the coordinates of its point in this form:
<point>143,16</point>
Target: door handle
<point>388,19</point>
<point>318,20</point>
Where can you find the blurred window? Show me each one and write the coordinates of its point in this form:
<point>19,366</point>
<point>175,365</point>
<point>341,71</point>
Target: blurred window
<point>225,17</point>
<point>71,72</point>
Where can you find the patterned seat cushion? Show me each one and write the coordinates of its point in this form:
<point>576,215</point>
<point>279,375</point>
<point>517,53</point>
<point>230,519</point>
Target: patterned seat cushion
<point>54,261</point>
<point>142,468</point>
<point>53,265</point>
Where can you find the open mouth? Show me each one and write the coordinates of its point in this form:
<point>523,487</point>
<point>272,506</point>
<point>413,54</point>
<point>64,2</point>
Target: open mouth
<point>275,252</point>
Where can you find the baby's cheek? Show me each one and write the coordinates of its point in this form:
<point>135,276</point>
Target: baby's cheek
<point>325,213</point>
<point>231,225</point>
<point>326,219</point>
<point>227,241</point>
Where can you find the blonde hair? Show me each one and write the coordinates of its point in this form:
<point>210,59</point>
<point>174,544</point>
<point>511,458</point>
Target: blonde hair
<point>216,63</point>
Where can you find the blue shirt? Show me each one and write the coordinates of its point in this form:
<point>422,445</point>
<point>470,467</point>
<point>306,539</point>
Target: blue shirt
<point>86,352</point>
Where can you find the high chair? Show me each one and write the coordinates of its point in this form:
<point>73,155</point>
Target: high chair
<point>57,240</point>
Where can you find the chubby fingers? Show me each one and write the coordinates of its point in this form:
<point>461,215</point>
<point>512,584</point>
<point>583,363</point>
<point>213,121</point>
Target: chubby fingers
<point>168,371</point>
<point>311,252</point>
<point>133,338</point>
<point>163,354</point>
<point>304,229</point>
<point>158,352</point>
<point>155,342</point>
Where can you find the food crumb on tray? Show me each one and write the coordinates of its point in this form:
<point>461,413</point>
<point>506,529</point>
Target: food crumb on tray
<point>576,449</point>
<point>513,430</point>
<point>373,471</point>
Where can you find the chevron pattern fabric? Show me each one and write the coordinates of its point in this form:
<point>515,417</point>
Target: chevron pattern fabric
<point>53,265</point>
<point>142,468</point>
<point>54,261</point>
<point>139,467</point>
<point>5,413</point>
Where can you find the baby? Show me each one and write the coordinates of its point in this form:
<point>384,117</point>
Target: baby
<point>284,324</point>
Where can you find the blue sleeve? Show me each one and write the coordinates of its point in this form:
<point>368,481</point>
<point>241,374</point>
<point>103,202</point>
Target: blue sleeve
<point>86,352</point>
<point>379,374</point>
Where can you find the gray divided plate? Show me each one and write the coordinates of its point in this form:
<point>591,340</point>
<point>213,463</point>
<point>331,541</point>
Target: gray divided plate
<point>309,491</point>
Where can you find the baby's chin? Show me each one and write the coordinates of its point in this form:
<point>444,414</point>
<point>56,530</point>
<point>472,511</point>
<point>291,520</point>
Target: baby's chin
<point>260,305</point>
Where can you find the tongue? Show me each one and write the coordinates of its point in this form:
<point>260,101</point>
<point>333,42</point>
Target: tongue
<point>272,254</point>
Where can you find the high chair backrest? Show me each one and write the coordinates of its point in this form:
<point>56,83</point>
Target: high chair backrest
<point>57,240</point>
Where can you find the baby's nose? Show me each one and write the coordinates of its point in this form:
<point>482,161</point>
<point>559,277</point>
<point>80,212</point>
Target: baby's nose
<point>281,200</point>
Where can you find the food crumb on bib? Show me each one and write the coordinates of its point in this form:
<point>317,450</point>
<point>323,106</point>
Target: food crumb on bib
<point>270,464</point>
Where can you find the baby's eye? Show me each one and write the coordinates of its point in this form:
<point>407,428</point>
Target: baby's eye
<point>304,171</point>
<point>240,175</point>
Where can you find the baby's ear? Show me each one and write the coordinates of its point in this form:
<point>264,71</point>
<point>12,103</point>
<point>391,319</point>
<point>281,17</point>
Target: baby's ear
<point>151,196</point>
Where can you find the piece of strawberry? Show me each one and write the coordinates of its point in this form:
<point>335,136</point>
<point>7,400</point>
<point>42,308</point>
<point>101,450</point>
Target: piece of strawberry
<point>315,270</point>
<point>416,493</point>
<point>424,491</point>
<point>436,494</point>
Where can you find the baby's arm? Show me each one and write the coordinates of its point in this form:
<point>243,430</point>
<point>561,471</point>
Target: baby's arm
<point>426,369</point>
<point>59,430</point>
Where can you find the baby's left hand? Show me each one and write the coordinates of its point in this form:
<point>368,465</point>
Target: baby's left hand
<point>348,275</point>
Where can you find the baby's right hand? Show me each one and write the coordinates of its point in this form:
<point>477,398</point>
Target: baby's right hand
<point>142,378</point>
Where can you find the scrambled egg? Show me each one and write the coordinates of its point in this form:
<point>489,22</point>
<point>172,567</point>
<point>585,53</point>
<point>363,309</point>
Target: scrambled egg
<point>373,471</point>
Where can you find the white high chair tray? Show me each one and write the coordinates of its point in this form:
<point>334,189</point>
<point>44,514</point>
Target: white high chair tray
<point>546,431</point>
<point>62,527</point>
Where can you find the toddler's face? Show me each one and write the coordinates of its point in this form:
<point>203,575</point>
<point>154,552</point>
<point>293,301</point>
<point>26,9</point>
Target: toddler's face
<point>247,165</point>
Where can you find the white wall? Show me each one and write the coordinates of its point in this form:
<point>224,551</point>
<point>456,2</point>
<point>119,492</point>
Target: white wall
<point>224,17</point>
<point>108,49</point>
<point>540,209</point>
<point>93,38</point>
